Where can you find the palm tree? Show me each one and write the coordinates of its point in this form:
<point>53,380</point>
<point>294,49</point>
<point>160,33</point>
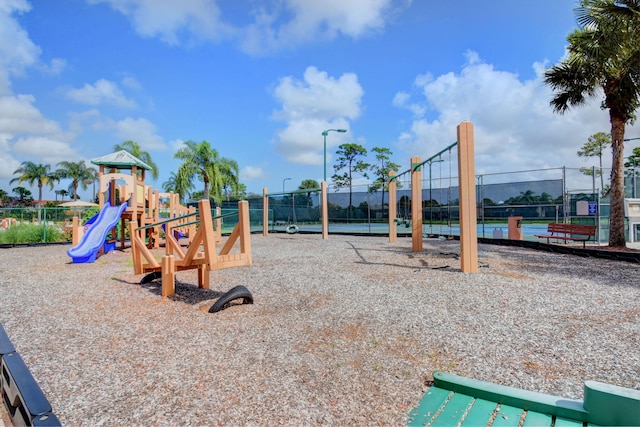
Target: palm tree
<point>62,193</point>
<point>604,53</point>
<point>78,173</point>
<point>204,162</point>
<point>230,173</point>
<point>173,184</point>
<point>135,150</point>
<point>36,173</point>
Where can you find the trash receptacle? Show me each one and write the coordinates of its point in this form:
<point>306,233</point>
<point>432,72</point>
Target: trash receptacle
<point>515,228</point>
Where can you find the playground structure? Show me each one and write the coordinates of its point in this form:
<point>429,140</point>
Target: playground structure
<point>468,220</point>
<point>123,197</point>
<point>201,253</point>
<point>467,190</point>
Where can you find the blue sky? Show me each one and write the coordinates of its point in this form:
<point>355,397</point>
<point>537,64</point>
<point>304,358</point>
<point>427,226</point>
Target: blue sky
<point>261,80</point>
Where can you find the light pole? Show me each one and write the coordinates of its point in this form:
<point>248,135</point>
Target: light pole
<point>324,134</point>
<point>286,179</point>
<point>430,198</point>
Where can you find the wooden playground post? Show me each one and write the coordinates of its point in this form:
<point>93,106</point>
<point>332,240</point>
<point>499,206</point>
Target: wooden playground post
<point>416,204</point>
<point>393,230</point>
<point>468,220</point>
<point>168,275</point>
<point>325,210</point>
<point>265,212</point>
<point>244,219</point>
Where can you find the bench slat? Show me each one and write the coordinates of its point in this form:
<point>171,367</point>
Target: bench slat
<point>507,416</point>
<point>536,419</point>
<point>432,401</point>
<point>480,413</point>
<point>564,422</point>
<point>454,411</point>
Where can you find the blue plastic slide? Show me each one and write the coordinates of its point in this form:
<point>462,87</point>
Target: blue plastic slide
<point>94,237</point>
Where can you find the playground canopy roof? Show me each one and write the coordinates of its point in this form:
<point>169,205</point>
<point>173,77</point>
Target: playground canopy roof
<point>120,160</point>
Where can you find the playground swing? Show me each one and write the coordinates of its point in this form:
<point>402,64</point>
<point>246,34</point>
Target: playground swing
<point>292,227</point>
<point>403,217</point>
<point>467,198</point>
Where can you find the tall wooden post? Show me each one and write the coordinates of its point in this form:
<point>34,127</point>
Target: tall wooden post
<point>244,219</point>
<point>393,227</point>
<point>325,210</point>
<point>467,184</point>
<point>265,212</point>
<point>416,204</point>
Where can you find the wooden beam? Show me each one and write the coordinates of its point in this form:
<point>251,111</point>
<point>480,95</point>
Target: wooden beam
<point>467,185</point>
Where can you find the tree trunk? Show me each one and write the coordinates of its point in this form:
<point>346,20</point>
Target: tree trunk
<point>616,217</point>
<point>205,193</point>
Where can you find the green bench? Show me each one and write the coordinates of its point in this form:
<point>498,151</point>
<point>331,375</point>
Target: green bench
<point>455,400</point>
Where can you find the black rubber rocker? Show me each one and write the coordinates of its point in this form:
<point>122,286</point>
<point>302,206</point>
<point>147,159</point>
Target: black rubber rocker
<point>151,277</point>
<point>235,293</point>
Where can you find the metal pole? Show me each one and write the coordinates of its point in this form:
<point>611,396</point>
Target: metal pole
<point>283,184</point>
<point>324,134</point>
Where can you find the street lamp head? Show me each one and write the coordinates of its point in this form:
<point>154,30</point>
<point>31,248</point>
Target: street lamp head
<point>325,132</point>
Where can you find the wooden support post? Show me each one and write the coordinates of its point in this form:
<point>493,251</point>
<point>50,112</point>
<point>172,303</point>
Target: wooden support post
<point>245,230</point>
<point>393,227</point>
<point>191,229</point>
<point>203,276</point>
<point>218,225</point>
<point>75,231</point>
<point>468,214</point>
<point>325,210</point>
<point>265,212</point>
<point>168,275</point>
<point>416,204</point>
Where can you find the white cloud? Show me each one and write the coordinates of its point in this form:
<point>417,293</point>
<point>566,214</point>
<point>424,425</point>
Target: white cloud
<point>55,67</point>
<point>17,51</point>
<point>140,130</point>
<point>252,173</point>
<point>314,20</point>
<point>103,91</point>
<point>168,19</point>
<point>45,149</point>
<point>515,127</point>
<point>309,107</point>
<point>176,144</point>
<point>26,134</point>
<point>7,159</point>
<point>131,83</point>
<point>272,25</point>
<point>19,115</point>
<point>319,96</point>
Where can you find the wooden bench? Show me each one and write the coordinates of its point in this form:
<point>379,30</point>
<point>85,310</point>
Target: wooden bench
<point>569,232</point>
<point>455,400</point>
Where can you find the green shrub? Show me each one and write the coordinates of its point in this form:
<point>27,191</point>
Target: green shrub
<point>30,233</point>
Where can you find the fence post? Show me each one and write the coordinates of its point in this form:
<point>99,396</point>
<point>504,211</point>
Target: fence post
<point>416,204</point>
<point>393,231</point>
<point>265,212</point>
